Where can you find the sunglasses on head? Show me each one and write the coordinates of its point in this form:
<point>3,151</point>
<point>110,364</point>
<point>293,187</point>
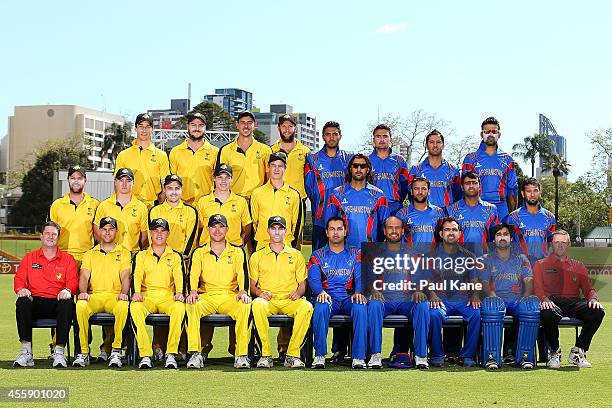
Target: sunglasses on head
<point>359,166</point>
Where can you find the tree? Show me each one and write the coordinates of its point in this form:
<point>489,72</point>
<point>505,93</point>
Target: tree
<point>37,183</point>
<point>261,137</point>
<point>116,138</point>
<point>602,142</point>
<point>455,151</point>
<point>216,118</point>
<point>559,167</point>
<point>532,146</point>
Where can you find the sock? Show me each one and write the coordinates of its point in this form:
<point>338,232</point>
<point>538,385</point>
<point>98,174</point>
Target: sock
<point>26,346</point>
<point>59,349</point>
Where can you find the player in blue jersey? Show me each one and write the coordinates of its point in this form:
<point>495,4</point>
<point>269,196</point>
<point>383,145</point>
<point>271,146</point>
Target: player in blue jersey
<point>475,216</point>
<point>420,218</point>
<point>444,178</point>
<point>509,287</point>
<point>532,225</point>
<point>385,300</point>
<point>389,170</point>
<point>497,170</point>
<point>334,275</point>
<point>323,172</point>
<point>455,273</point>
<point>362,205</point>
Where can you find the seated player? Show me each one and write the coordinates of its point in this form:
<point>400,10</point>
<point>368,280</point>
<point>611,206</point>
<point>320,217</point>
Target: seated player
<point>218,285</point>
<point>104,283</point>
<point>334,275</point>
<point>509,283</point>
<point>158,288</point>
<point>278,275</point>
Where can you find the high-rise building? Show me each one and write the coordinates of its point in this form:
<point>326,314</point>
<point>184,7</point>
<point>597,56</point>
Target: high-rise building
<point>167,118</point>
<point>232,100</point>
<point>306,130</point>
<point>559,145</point>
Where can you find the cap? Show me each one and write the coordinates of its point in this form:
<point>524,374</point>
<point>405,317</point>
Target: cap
<point>245,113</point>
<point>159,222</point>
<point>217,219</point>
<point>223,168</point>
<point>108,221</point>
<point>195,115</point>
<point>124,172</point>
<point>280,155</point>
<point>143,117</point>
<point>277,220</point>
<point>173,177</point>
<point>285,117</point>
<point>76,168</point>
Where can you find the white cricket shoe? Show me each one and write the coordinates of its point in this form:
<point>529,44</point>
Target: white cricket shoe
<point>375,361</point>
<point>158,354</point>
<point>171,361</point>
<point>358,364</point>
<point>115,359</point>
<point>145,363</point>
<point>265,362</point>
<point>421,363</point>
<point>318,362</point>
<point>554,359</point>
<point>242,362</point>
<point>196,361</point>
<point>577,356</point>
<point>24,359</point>
<point>59,360</point>
<point>81,360</point>
<point>294,362</point>
<point>526,365</point>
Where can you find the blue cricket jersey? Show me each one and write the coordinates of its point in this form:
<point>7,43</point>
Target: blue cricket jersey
<point>532,231</point>
<point>420,226</point>
<point>448,269</point>
<point>476,223</point>
<point>391,176</point>
<point>337,274</point>
<point>445,181</point>
<point>506,276</point>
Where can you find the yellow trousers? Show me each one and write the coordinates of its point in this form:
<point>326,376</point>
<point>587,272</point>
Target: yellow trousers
<point>301,312</point>
<point>101,302</point>
<point>157,302</point>
<point>223,304</point>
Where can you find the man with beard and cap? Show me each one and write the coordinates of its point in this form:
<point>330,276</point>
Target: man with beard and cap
<point>496,169</point>
<point>194,160</point>
<point>444,178</point>
<point>296,159</point>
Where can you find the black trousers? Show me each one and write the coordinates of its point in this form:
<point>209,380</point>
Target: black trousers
<point>571,307</point>
<point>44,308</point>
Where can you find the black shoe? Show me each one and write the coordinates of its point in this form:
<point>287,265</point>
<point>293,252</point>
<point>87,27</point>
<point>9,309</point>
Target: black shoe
<point>337,358</point>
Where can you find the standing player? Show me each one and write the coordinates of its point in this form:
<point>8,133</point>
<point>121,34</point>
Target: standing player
<point>334,274</point>
<point>363,206</point>
<point>324,171</point>
<point>444,177</point>
<point>148,163</point>
<point>509,280</point>
<point>278,275</point>
<point>194,160</point>
<point>296,159</point>
<point>389,170</point>
<point>496,169</point>
<point>158,288</point>
<point>104,283</point>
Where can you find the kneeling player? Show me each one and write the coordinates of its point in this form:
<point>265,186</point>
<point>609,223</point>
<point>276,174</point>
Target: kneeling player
<point>510,289</point>
<point>158,288</point>
<point>104,283</point>
<point>218,285</point>
<point>334,274</point>
<point>278,278</point>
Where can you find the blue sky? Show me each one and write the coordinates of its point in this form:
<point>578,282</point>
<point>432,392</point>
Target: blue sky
<point>336,60</point>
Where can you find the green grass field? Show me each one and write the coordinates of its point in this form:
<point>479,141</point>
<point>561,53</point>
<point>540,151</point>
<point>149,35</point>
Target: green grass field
<point>218,384</point>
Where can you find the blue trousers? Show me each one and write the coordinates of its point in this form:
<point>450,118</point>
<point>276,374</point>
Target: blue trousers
<point>438,317</point>
<point>417,312</point>
<point>320,323</point>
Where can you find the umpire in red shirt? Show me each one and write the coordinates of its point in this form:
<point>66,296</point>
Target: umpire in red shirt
<point>558,281</point>
<point>45,282</point>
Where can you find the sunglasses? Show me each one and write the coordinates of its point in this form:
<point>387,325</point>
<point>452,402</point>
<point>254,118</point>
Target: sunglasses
<point>490,132</point>
<point>359,166</point>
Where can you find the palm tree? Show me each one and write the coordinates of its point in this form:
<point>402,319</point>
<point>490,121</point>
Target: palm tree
<point>532,146</point>
<point>559,167</point>
<point>116,138</point>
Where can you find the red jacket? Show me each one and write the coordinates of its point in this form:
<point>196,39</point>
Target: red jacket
<point>46,277</point>
<point>565,278</point>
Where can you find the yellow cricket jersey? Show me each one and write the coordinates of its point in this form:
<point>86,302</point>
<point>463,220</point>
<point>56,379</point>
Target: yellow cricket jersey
<point>161,274</point>
<point>278,274</point>
<point>75,221</point>
<point>183,221</point>
<point>296,158</point>
<point>105,268</point>
<point>248,168</point>
<point>266,202</point>
<point>131,220</point>
<point>150,167</point>
<point>236,211</point>
<point>195,169</point>
<point>223,274</point>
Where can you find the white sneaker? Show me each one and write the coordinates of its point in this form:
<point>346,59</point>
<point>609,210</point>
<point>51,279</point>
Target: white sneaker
<point>421,362</point>
<point>554,359</point>
<point>24,359</point>
<point>375,361</point>
<point>491,364</point>
<point>59,360</point>
<point>526,365</point>
<point>265,362</point>
<point>318,362</point>
<point>577,356</point>
<point>196,361</point>
<point>171,361</point>
<point>115,359</point>
<point>103,356</point>
<point>358,364</point>
<point>242,362</point>
<point>158,354</point>
<point>294,362</point>
<point>145,363</point>
<point>81,360</point>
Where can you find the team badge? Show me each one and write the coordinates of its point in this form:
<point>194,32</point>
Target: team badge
<point>58,276</point>
<point>118,258</point>
<point>233,207</point>
<point>229,260</point>
<point>290,260</point>
<point>288,201</point>
<point>134,214</point>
